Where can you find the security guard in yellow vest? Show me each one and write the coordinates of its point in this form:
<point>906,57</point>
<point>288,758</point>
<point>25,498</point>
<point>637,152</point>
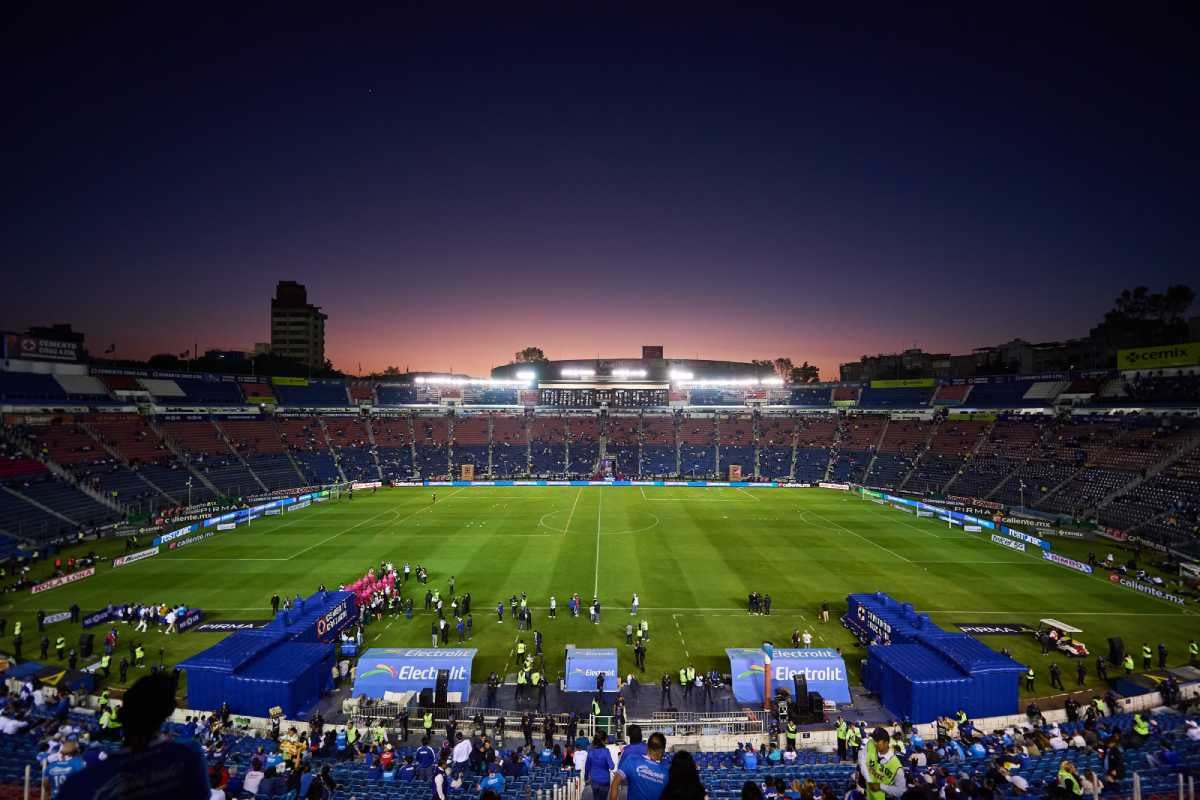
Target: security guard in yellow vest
<point>1128,663</point>
<point>1193,652</point>
<point>1101,706</point>
<point>535,678</point>
<point>351,735</point>
<point>790,733</point>
<point>1029,679</point>
<point>880,768</point>
<point>520,648</point>
<point>60,647</point>
<point>427,723</point>
<point>1147,656</point>
<point>961,718</point>
<point>1068,780</point>
<point>16,629</point>
<point>105,660</point>
<point>842,730</point>
<point>853,740</point>
<point>1141,726</point>
<point>102,702</point>
<point>521,681</point>
<point>691,676</point>
<point>683,681</point>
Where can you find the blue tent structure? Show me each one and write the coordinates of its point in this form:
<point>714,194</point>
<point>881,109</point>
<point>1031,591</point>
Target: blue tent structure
<point>921,672</point>
<point>286,664</point>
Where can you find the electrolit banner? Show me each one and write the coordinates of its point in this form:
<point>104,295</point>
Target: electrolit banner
<point>584,665</point>
<point>823,668</point>
<point>388,669</point>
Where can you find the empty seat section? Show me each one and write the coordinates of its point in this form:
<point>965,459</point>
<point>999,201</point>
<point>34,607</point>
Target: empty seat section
<point>658,446</point>
<point>583,433</point>
<point>510,445</point>
<point>776,439</point>
<point>393,442</point>
<point>548,451</point>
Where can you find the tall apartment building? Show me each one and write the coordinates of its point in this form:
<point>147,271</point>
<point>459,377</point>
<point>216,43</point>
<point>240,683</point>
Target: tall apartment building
<point>297,328</point>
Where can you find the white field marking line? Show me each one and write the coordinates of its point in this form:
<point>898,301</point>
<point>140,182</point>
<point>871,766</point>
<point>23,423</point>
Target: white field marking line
<point>642,489</point>
<point>400,521</point>
<point>805,620</point>
<point>596,585</point>
<point>748,494</point>
<point>860,536</point>
<point>686,654</point>
<point>1018,563</point>
<point>571,516</point>
<point>226,558</point>
<point>907,524</point>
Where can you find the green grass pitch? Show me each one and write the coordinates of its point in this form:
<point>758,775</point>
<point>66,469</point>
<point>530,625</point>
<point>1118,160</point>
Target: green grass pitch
<point>693,554</point>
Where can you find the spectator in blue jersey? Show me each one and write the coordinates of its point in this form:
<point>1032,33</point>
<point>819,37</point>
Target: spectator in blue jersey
<point>426,759</point>
<point>158,766</point>
<point>408,772</point>
<point>57,772</point>
<point>636,746</point>
<point>494,781</point>
<point>599,767</point>
<point>749,758</point>
<point>645,775</point>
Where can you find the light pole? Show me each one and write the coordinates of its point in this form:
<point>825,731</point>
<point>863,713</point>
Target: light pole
<point>189,487</point>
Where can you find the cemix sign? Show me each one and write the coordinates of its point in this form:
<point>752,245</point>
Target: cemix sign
<point>1172,355</point>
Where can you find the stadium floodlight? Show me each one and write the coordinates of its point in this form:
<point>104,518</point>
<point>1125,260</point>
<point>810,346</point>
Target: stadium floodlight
<point>629,373</point>
<point>577,372</point>
<point>681,375</point>
<point>773,381</point>
<point>526,374</point>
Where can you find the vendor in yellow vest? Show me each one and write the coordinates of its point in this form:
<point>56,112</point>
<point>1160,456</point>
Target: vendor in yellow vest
<point>881,768</point>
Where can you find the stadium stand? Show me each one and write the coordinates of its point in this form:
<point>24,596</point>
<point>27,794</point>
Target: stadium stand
<point>1160,390</point>
<point>697,453</point>
<point>815,437</point>
<point>432,437</point>
<point>895,398</point>
<point>471,440</point>
<point>1001,394</point>
<point>952,442</point>
<point>659,452</point>
<point>1004,449</point>
<point>860,437</point>
<point>735,441</point>
<point>395,394</point>
<point>316,394</point>
<point>548,451</point>
<point>210,392</point>
<point>394,443</point>
<point>776,446</point>
<point>211,454</point>
<point>260,443</point>
<point>624,443</point>
<point>510,445</point>
<point>583,437</point>
<point>951,394</point>
<point>903,441</point>
<point>306,441</point>
<point>811,396</point>
<point>351,443</point>
<point>18,387</point>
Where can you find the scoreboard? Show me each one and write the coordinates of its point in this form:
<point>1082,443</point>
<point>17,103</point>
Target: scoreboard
<point>597,396</point>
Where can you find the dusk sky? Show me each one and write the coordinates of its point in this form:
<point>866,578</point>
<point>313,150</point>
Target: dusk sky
<point>454,188</point>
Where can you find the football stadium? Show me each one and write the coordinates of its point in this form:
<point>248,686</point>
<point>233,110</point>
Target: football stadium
<point>598,402</point>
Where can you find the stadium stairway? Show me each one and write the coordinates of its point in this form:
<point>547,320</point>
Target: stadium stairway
<point>68,478</point>
<point>241,459</point>
<point>337,462</point>
<point>1150,473</point>
<point>182,458</point>
<point>119,457</point>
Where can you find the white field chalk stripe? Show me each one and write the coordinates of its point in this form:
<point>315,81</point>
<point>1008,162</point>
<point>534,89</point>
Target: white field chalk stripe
<point>864,538</point>
<point>596,585</point>
<point>571,516</point>
<point>748,494</point>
